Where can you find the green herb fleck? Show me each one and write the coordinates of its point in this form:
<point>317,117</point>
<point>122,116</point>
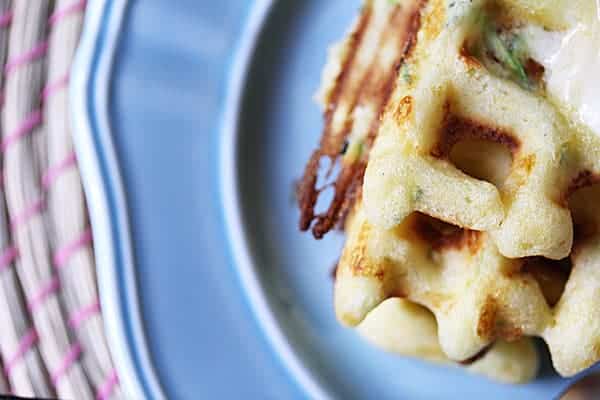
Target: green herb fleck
<point>507,58</point>
<point>564,155</point>
<point>525,246</point>
<point>406,74</point>
<point>418,195</point>
<point>394,2</point>
<point>508,49</point>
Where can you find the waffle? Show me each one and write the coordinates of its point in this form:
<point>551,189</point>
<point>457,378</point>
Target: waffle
<point>356,84</point>
<point>496,251</point>
<point>403,327</point>
<point>452,96</point>
<point>476,224</point>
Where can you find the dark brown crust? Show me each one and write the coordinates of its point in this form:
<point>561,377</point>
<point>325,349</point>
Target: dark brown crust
<point>342,195</point>
<point>441,235</point>
<point>582,231</point>
<point>477,356</point>
<point>306,191</point>
<point>455,129</point>
<point>354,192</point>
<point>469,59</point>
<point>375,88</point>
<point>583,179</point>
<point>551,276</point>
<point>584,228</point>
<point>486,325</point>
<point>508,333</point>
<point>534,70</point>
<point>330,146</point>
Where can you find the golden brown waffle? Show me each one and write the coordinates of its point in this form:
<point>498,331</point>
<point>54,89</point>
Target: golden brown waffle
<point>403,327</point>
<point>477,272</point>
<point>452,96</point>
<point>476,295</point>
<point>357,82</point>
<point>501,158</point>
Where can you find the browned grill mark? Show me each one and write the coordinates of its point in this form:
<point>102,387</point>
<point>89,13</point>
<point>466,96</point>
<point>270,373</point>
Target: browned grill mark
<point>441,235</point>
<point>345,74</point>
<point>551,276</point>
<point>307,192</point>
<point>469,60</point>
<point>351,174</point>
<point>487,320</point>
<point>344,181</point>
<point>480,354</point>
<point>375,88</point>
<point>411,31</point>
<point>455,129</point>
<point>583,179</point>
<point>353,194</point>
<point>534,70</point>
<point>508,332</point>
<point>491,324</point>
<point>374,81</point>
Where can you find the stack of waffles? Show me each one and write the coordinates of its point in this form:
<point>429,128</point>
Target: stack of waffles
<point>466,185</point>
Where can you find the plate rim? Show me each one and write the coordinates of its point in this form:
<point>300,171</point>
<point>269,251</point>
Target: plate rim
<point>89,92</point>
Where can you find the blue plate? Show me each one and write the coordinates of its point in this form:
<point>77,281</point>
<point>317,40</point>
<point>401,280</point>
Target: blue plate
<point>208,288</point>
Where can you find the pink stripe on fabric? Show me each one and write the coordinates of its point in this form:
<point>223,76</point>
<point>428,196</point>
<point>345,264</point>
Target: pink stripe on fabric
<point>55,86</point>
<point>28,124</point>
<point>8,256</point>
<point>26,343</point>
<point>43,293</point>
<point>60,14</point>
<point>27,214</point>
<point>56,170</point>
<point>106,389</point>
<point>33,54</point>
<point>62,256</point>
<point>6,19</point>
<point>81,315</point>
<point>67,362</point>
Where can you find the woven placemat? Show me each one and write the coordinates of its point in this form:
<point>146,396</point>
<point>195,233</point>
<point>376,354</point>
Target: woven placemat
<point>52,342</point>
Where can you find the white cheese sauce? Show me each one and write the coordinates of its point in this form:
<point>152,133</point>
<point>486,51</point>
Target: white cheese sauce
<point>571,60</point>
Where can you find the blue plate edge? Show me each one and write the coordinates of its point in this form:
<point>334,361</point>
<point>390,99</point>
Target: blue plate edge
<point>100,175</point>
